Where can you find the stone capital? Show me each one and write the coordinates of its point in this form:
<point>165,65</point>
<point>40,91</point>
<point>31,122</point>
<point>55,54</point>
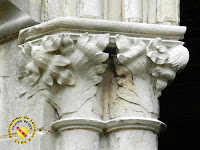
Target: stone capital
<point>101,78</point>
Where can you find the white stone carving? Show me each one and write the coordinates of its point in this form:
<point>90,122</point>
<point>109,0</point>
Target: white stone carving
<point>132,54</point>
<point>167,62</point>
<point>42,61</point>
<point>135,91</point>
<point>58,58</point>
<point>115,129</point>
<point>142,69</point>
<point>93,107</point>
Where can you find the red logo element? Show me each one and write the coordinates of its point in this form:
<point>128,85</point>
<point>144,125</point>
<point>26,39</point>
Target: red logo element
<point>24,134</point>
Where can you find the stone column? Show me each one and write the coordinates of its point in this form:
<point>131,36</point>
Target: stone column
<point>93,73</point>
<point>142,72</point>
<point>102,83</point>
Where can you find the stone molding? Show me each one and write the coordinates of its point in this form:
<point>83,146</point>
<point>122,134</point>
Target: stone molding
<point>113,125</point>
<point>139,123</point>
<point>78,123</point>
<point>78,26</point>
<point>16,15</point>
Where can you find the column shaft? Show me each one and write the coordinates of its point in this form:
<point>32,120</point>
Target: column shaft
<point>115,10</point>
<point>80,139</point>
<point>68,8</point>
<point>152,11</point>
<point>90,9</point>
<point>133,140</point>
<point>168,12</point>
<point>132,10</point>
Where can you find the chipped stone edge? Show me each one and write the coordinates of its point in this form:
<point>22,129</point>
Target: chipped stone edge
<point>80,25</point>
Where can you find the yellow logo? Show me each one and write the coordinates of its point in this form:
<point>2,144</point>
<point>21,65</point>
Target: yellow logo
<point>21,126</point>
<point>22,132</point>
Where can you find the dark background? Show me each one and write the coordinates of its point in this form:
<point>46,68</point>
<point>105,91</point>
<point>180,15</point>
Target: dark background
<point>180,102</point>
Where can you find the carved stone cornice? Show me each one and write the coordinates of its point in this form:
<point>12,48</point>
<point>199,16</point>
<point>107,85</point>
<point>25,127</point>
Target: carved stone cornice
<point>77,26</point>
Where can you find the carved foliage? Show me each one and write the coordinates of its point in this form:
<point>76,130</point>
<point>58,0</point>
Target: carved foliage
<point>58,57</point>
<point>87,63</point>
<point>164,62</point>
<point>52,59</point>
<point>132,65</point>
<point>47,60</point>
<point>167,61</point>
<point>132,54</point>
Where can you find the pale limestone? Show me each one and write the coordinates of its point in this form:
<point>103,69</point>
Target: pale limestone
<point>114,10</point>
<point>40,141</point>
<point>133,139</point>
<point>152,11</point>
<point>90,9</point>
<point>135,90</point>
<point>164,16</point>
<point>13,21</point>
<point>170,34</point>
<point>29,12</point>
<point>90,84</point>
<point>132,10</point>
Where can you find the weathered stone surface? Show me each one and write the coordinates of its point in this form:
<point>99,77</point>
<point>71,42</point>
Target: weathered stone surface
<point>89,83</point>
<point>138,139</point>
<point>12,106</point>
<point>42,140</point>
<point>164,16</point>
<point>13,19</point>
